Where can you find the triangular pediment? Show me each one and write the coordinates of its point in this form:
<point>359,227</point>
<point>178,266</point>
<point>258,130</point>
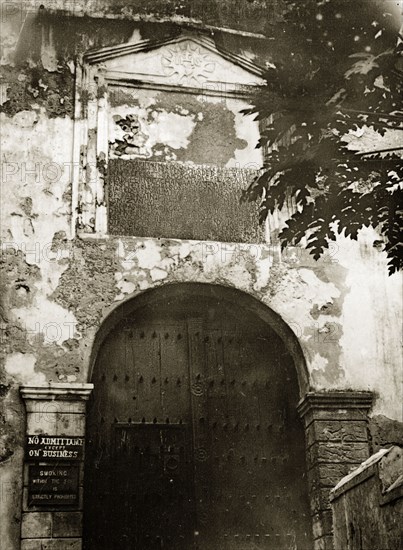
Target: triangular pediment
<point>186,61</point>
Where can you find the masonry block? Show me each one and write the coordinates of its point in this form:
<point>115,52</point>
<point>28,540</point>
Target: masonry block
<point>70,424</point>
<point>319,500</point>
<point>51,544</point>
<point>41,423</point>
<point>67,524</point>
<point>36,525</point>
<point>56,423</point>
<point>329,474</point>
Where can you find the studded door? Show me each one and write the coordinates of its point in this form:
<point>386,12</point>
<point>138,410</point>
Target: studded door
<point>194,440</point>
<point>153,482</point>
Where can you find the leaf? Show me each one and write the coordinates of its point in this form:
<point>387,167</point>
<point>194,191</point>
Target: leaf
<point>366,64</point>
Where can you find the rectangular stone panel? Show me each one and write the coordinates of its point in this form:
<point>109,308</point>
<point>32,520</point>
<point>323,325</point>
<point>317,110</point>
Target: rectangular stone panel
<point>156,199</point>
<point>342,452</point>
<point>335,430</point>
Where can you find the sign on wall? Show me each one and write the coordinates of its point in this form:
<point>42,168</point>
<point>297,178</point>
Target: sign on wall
<point>53,472</point>
<point>53,485</point>
<point>51,447</point>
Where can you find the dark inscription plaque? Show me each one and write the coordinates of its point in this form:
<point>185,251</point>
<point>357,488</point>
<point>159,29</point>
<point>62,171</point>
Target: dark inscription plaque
<point>169,199</point>
<point>53,485</point>
<point>54,447</point>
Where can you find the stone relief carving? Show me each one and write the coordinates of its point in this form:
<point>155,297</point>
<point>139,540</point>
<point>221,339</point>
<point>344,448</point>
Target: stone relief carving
<point>187,64</point>
<point>133,140</point>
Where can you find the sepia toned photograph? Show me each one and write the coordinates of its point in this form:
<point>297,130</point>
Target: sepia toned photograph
<point>201,275</point>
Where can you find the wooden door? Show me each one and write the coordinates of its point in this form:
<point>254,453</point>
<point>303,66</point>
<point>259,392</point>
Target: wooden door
<point>154,487</point>
<point>193,436</point>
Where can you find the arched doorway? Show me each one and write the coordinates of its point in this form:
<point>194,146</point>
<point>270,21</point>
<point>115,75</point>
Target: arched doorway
<point>194,441</point>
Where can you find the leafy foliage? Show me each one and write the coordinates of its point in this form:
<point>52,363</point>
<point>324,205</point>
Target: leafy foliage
<point>336,71</point>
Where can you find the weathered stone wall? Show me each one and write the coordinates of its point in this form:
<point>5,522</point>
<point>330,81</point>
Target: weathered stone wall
<point>368,504</point>
<point>235,14</point>
<point>57,289</point>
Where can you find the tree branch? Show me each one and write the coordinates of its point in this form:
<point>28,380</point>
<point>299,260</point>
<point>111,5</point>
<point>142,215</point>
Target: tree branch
<point>392,149</point>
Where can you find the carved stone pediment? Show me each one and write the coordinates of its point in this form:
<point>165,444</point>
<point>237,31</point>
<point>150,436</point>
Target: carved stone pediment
<point>186,61</point>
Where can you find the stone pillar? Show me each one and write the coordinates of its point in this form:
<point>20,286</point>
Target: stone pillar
<point>54,410</point>
<point>336,435</point>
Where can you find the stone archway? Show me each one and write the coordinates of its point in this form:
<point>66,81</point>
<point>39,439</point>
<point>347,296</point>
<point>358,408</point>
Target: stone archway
<point>244,300</point>
<point>193,434</point>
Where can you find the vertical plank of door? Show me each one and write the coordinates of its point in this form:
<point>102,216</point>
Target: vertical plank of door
<point>147,355</point>
<point>175,397</point>
<point>219,423</point>
<point>237,433</point>
<point>200,428</point>
<point>116,374</point>
<point>132,376</point>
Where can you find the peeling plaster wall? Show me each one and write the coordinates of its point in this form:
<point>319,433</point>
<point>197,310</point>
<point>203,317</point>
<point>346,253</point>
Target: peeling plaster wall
<point>175,126</point>
<point>35,213</point>
<point>336,310</point>
<point>344,309</point>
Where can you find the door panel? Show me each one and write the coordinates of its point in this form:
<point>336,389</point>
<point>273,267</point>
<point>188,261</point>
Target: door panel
<point>194,439</point>
<point>153,483</point>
